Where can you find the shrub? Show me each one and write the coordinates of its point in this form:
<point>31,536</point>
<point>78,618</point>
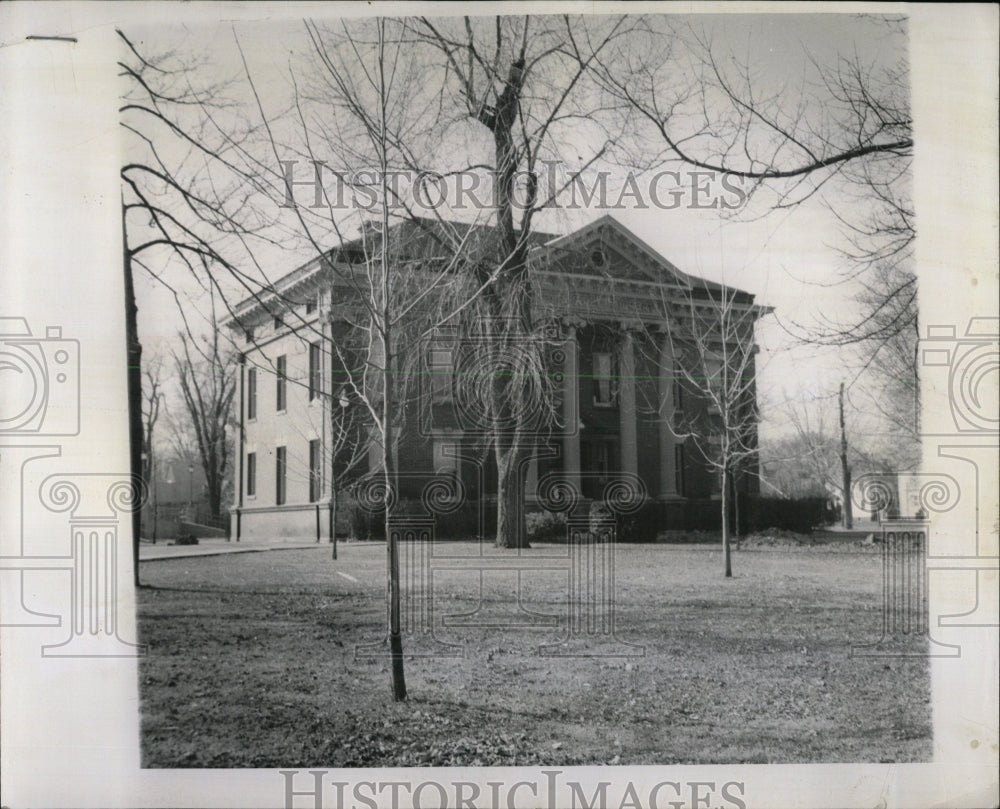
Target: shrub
<point>186,539</point>
<point>800,514</point>
<point>546,525</point>
<point>462,523</point>
<point>364,524</point>
<point>642,526</point>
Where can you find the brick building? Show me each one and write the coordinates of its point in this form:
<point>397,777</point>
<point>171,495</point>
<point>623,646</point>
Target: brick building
<point>606,303</point>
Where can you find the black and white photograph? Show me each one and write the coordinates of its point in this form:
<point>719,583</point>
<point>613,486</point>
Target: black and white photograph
<point>530,405</point>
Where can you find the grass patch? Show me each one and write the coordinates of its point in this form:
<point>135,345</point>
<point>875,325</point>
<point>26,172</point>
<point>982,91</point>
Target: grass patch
<point>251,663</point>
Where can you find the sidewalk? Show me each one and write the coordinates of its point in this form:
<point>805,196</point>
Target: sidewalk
<point>212,546</point>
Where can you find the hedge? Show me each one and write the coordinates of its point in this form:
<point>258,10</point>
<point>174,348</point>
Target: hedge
<point>647,524</point>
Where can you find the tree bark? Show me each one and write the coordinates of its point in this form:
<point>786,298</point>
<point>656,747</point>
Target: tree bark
<point>388,414</point>
<point>727,554</point>
<point>511,287</point>
<point>392,547</point>
<point>511,526</point>
<point>134,388</point>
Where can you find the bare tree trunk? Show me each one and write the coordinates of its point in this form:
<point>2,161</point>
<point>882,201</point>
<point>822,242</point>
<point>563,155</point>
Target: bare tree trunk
<point>511,531</point>
<point>134,388</point>
<point>508,441</point>
<point>845,468</point>
<point>215,496</point>
<point>736,513</point>
<point>388,433</point>
<point>392,548</point>
<point>727,553</point>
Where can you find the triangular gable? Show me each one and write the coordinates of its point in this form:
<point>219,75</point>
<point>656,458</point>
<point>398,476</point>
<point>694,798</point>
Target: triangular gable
<point>605,248</point>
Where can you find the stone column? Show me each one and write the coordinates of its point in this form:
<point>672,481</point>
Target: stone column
<point>668,471</point>
<point>626,406</point>
<point>571,407</point>
<point>240,455</point>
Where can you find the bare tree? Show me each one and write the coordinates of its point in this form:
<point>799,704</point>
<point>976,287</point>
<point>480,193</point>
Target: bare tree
<point>153,399</point>
<point>711,335</point>
<point>173,207</point>
<point>804,463</point>
<point>708,109</point>
<point>526,82</point>
<point>387,285</point>
<point>842,133</point>
<point>886,346</point>
<point>207,381</point>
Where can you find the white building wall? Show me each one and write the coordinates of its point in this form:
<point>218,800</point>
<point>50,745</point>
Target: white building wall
<point>294,427</point>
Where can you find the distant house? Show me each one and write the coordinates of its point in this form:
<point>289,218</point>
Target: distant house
<point>605,298</point>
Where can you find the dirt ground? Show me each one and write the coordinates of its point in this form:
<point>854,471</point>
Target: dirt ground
<point>262,660</point>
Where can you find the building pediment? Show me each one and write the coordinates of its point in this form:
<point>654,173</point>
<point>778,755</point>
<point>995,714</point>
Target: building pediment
<point>601,267</point>
<point>606,249</point>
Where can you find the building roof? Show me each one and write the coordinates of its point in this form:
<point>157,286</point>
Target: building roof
<point>584,257</point>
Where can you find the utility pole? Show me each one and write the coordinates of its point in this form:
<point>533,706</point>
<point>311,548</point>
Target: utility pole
<point>845,469</point>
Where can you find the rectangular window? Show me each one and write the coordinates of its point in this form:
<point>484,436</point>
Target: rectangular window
<point>315,370</point>
<point>442,371</point>
<point>281,369</point>
<point>279,476</point>
<point>248,333</point>
<point>251,394</point>
<point>310,306</point>
<point>315,471</point>
<point>251,474</point>
<point>278,323</point>
<point>602,379</point>
<point>679,469</point>
<point>678,390</point>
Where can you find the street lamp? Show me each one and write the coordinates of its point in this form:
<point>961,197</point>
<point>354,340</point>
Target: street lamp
<point>191,491</point>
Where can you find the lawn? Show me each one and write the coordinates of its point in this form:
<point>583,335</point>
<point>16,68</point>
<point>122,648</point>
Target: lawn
<point>252,662</point>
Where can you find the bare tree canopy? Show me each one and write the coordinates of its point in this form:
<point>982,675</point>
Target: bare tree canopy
<point>206,377</point>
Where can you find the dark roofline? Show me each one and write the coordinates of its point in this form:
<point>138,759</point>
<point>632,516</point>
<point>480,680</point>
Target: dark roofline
<point>431,228</point>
